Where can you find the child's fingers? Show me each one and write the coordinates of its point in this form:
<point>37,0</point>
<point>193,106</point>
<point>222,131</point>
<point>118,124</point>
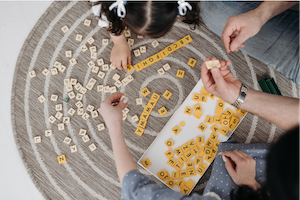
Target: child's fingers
<point>122,104</point>
<point>113,98</point>
<point>124,63</point>
<point>129,59</point>
<point>118,64</point>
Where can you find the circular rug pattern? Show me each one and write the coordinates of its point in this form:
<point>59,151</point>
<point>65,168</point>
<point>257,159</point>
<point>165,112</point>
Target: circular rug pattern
<point>92,175</point>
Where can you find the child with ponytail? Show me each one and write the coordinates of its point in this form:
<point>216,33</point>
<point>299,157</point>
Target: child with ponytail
<point>152,19</point>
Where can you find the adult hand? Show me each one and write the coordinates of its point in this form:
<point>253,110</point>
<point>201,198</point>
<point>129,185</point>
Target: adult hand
<point>240,28</point>
<point>241,168</point>
<point>112,114</point>
<point>220,81</point>
<point>120,54</point>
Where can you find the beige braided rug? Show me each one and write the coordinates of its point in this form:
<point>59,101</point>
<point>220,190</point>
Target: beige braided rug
<point>92,175</point>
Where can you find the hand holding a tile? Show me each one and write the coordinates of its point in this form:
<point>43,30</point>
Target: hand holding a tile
<point>112,114</point>
<point>240,28</point>
<point>220,81</point>
<point>241,168</point>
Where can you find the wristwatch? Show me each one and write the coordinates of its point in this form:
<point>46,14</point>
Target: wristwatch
<point>241,97</point>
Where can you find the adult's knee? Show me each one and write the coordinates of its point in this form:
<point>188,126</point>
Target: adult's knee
<point>215,14</point>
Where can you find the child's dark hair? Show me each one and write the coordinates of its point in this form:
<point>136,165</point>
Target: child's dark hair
<point>153,19</point>
<point>282,172</point>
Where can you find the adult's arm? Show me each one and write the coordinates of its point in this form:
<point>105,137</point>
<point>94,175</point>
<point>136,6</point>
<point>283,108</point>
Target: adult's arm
<point>241,27</point>
<point>279,110</point>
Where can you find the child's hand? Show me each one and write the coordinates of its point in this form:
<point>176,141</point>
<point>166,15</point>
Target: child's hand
<point>120,54</point>
<point>112,115</point>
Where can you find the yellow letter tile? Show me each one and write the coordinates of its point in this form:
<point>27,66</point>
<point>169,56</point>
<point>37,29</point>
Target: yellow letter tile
<point>139,131</point>
<point>202,127</point>
<point>223,131</point>
<point>176,130</point>
<point>196,97</point>
<point>178,166</point>
<point>198,160</point>
<point>167,94</point>
<point>175,175</point>
<point>169,143</point>
<point>171,162</point>
<point>225,122</point>
<point>145,91</point>
<point>170,183</point>
<point>146,162</point>
<point>197,107</point>
<point>61,159</point>
<point>192,62</point>
<point>188,155</point>
<point>197,114</point>
<point>189,164</point>
<point>214,128</point>
<point>180,73</point>
<point>155,96</point>
<point>178,151</point>
<point>142,123</point>
<point>185,190</point>
<point>180,183</point>
<point>190,184</point>
<point>200,170</point>
<point>162,111</point>
<point>200,139</point>
<point>209,158</point>
<point>169,153</point>
<point>188,110</point>
<point>191,143</point>
<point>213,136</point>
<point>203,91</point>
<point>209,119</point>
<point>217,119</point>
<point>209,143</point>
<point>183,174</point>
<point>220,107</point>
<point>161,174</point>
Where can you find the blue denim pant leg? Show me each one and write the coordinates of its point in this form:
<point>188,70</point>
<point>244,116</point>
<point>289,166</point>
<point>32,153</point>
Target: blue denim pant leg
<point>276,44</point>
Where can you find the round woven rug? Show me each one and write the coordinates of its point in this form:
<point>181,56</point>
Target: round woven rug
<point>91,174</point>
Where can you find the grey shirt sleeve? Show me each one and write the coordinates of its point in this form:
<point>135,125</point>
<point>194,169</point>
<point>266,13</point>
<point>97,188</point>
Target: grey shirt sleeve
<point>136,186</point>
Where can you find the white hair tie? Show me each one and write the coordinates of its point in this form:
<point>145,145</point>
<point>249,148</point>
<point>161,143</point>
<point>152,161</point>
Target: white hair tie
<point>182,7</point>
<point>119,5</point>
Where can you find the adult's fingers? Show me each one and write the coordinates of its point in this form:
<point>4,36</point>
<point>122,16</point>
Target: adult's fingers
<point>231,154</point>
<point>226,36</point>
<point>239,40</point>
<point>242,154</point>
<point>218,78</point>
<point>230,168</point>
<point>205,74</point>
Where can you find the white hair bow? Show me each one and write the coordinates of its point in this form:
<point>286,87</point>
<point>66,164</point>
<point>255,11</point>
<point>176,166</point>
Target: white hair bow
<point>182,7</point>
<point>121,11</point>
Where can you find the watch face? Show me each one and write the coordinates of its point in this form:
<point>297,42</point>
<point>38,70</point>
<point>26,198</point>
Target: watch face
<point>244,89</point>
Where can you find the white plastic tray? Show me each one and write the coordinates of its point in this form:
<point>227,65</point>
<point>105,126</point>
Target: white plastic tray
<point>155,152</point>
